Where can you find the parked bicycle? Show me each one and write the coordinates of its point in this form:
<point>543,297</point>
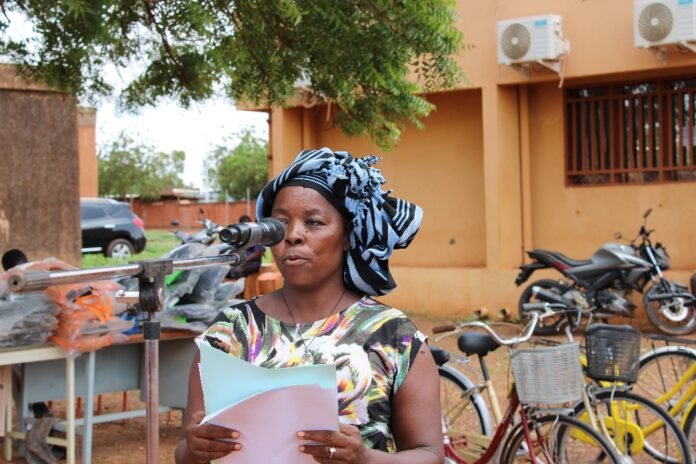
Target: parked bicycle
<point>667,374</point>
<point>529,430</point>
<point>604,284</point>
<point>640,429</point>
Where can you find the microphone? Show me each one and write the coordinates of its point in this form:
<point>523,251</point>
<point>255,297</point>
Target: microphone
<point>268,232</point>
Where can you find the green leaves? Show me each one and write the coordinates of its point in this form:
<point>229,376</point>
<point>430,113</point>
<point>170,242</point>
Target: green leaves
<point>240,168</point>
<point>129,167</point>
<point>371,58</point>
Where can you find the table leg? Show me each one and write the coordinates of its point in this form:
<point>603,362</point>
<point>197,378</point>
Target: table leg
<point>8,413</point>
<point>89,411</point>
<point>70,409</point>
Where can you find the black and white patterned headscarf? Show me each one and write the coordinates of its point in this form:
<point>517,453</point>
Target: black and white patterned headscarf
<point>379,223</point>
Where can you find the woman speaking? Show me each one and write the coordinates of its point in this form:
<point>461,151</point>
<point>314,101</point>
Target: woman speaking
<point>342,227</point>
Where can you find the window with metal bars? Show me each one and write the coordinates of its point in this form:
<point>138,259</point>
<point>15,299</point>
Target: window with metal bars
<point>631,133</point>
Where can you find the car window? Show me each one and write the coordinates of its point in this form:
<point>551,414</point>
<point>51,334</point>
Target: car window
<point>115,209</point>
<point>91,212</point>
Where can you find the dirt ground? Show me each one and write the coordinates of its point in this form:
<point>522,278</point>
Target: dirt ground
<point>125,441</point>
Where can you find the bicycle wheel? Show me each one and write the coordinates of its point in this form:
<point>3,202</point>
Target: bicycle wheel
<point>465,419</point>
<point>690,430</point>
<point>638,427</point>
<point>666,376</point>
<point>559,439</point>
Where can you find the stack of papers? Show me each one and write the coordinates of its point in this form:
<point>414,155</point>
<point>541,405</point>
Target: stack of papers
<point>267,406</point>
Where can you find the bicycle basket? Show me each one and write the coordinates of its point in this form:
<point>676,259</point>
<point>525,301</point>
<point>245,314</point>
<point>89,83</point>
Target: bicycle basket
<point>613,352</point>
<point>550,375</point>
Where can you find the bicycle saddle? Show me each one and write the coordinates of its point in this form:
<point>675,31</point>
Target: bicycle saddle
<point>439,355</point>
<point>476,343</point>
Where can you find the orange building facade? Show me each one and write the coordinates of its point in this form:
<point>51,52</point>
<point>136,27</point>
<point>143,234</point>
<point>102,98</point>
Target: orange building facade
<point>491,168</point>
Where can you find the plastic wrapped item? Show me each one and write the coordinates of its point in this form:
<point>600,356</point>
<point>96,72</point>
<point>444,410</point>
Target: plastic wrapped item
<point>228,292</point>
<point>27,318</point>
<point>86,320</point>
<point>195,311</point>
<point>208,283</point>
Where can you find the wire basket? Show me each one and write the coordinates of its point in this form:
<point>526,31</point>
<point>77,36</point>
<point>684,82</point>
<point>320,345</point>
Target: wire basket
<point>613,352</point>
<point>550,375</point>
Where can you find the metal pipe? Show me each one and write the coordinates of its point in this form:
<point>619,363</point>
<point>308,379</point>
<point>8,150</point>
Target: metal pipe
<point>151,335</point>
<point>27,281</point>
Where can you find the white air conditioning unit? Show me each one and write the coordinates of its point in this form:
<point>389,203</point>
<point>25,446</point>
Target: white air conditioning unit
<point>663,22</point>
<point>531,39</point>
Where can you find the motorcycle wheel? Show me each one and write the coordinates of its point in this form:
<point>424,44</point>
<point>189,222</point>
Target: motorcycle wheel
<point>549,325</point>
<point>664,317</point>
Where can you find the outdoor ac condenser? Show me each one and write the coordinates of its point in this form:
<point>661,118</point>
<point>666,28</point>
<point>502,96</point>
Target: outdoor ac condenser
<point>663,22</point>
<point>531,39</point>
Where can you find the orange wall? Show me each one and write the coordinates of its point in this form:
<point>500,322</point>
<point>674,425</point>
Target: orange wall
<point>579,219</point>
<point>453,231</point>
<point>87,144</point>
<point>600,34</point>
<point>492,157</point>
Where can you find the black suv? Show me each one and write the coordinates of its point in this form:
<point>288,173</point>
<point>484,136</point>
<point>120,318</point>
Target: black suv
<point>110,227</point>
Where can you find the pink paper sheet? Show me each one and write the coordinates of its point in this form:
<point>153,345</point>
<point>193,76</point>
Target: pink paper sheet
<point>268,423</point>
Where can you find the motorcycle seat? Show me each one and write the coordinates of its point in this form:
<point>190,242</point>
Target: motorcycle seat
<point>477,343</point>
<point>439,355</point>
<point>547,255</point>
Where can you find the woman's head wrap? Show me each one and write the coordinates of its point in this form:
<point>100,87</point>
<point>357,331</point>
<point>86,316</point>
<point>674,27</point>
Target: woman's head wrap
<point>379,223</point>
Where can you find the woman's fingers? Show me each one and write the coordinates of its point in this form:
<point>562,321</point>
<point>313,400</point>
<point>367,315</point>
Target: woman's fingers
<point>321,436</point>
<point>208,441</point>
<point>322,453</point>
<point>334,447</point>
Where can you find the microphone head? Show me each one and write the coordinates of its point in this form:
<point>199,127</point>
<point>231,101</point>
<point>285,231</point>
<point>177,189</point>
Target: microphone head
<point>277,231</point>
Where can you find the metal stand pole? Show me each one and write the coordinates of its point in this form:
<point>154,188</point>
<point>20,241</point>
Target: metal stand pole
<point>151,331</point>
<point>151,286</point>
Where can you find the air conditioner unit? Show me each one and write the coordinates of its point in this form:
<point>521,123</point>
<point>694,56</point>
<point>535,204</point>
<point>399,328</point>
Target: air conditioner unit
<point>531,39</point>
<point>663,22</point>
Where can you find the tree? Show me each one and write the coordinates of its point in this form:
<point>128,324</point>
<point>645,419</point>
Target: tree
<point>369,58</point>
<point>241,168</point>
<point>128,167</point>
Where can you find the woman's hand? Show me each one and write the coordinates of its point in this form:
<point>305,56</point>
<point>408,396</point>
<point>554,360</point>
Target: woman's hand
<point>345,446</point>
<point>207,442</point>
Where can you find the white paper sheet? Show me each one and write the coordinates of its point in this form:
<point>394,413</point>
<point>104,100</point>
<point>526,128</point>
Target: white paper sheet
<point>268,423</point>
<point>267,406</point>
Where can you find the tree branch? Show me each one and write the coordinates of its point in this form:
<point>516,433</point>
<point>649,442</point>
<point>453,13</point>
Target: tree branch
<point>165,43</point>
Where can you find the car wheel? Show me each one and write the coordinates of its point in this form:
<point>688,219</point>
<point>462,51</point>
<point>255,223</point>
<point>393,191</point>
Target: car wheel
<point>119,248</point>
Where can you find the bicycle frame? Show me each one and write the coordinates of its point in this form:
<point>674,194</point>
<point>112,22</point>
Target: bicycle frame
<point>688,398</point>
<point>498,437</point>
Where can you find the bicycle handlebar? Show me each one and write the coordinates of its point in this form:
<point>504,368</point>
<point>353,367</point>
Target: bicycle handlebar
<point>539,311</point>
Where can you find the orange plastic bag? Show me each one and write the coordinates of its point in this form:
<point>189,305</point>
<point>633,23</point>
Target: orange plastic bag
<point>86,321</point>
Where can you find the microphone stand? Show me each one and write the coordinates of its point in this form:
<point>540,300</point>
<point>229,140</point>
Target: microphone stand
<point>150,275</point>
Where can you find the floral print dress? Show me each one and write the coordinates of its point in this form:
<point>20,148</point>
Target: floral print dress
<point>372,345</point>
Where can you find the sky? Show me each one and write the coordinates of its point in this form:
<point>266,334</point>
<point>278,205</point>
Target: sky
<point>196,130</point>
<point>167,127</point>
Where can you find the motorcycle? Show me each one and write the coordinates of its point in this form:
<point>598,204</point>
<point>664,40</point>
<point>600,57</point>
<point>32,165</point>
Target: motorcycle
<point>602,286</point>
<point>205,236</point>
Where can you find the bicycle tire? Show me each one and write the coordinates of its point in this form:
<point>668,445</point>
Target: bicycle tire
<point>462,408</point>
<point>659,372</point>
<point>690,430</point>
<point>628,416</point>
<point>567,441</point>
